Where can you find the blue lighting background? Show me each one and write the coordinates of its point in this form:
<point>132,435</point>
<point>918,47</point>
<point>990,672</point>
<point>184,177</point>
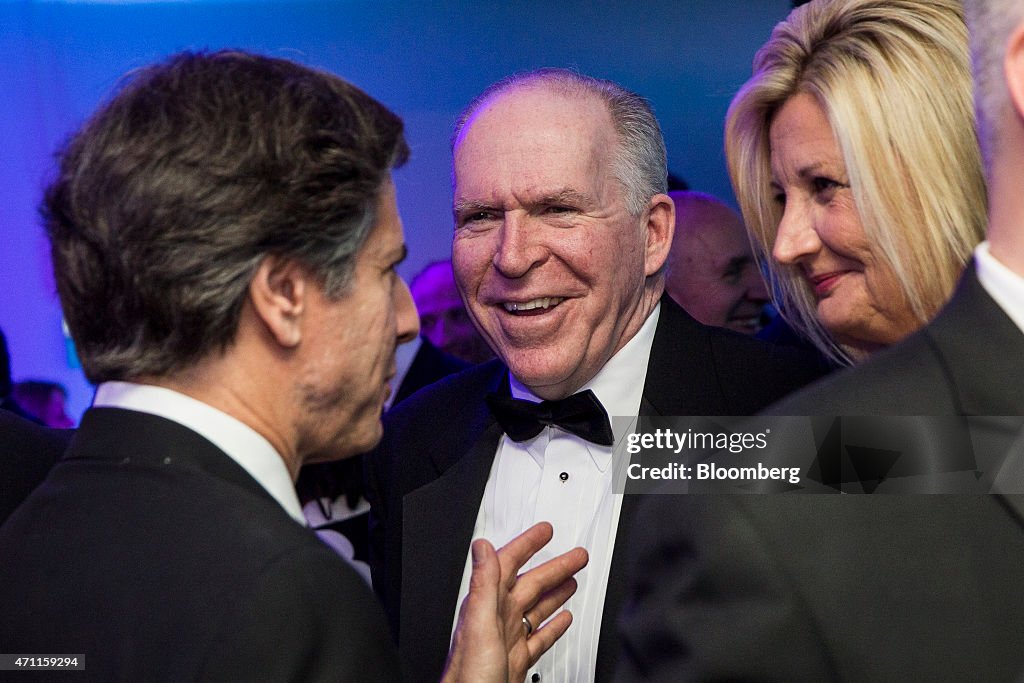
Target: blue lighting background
<point>58,60</point>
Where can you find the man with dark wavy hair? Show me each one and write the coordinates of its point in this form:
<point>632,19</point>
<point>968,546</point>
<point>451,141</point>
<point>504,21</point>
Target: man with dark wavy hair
<point>224,237</point>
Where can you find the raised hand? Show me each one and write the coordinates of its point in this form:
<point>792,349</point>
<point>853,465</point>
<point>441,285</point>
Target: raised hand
<point>497,639</point>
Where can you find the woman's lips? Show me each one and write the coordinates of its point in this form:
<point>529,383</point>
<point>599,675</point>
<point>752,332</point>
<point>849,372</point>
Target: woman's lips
<point>826,282</point>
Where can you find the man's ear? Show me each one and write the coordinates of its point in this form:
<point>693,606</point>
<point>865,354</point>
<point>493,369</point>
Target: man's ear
<point>278,293</point>
<point>661,226</point>
<point>1013,69</point>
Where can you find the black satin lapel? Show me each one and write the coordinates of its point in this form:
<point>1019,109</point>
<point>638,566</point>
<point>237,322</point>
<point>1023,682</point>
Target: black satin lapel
<point>615,596</point>
<point>438,521</point>
<point>682,351</point>
<point>474,418</point>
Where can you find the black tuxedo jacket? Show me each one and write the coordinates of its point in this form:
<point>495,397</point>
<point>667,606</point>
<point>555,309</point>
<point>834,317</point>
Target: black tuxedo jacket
<point>27,452</point>
<point>155,555</point>
<point>852,588</point>
<point>427,477</point>
<point>429,365</point>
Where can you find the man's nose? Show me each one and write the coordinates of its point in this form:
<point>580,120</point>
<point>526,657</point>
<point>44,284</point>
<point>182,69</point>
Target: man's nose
<point>406,318</point>
<point>519,248</point>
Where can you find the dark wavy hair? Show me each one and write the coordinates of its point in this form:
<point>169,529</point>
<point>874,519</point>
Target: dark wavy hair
<point>172,193</point>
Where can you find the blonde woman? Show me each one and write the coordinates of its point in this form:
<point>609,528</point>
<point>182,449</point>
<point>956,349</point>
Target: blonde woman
<point>853,154</point>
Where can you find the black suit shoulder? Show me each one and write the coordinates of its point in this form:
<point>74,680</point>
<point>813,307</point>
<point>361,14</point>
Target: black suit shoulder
<point>836,587</point>
<point>471,382</point>
<point>755,372</point>
<point>155,556</point>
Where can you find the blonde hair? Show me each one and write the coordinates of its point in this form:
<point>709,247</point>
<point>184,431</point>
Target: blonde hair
<point>893,78</point>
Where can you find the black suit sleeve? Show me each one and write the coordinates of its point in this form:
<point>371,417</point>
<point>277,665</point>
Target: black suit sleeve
<point>289,628</point>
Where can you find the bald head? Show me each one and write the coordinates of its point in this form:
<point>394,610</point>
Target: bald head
<point>639,149</point>
<point>711,270</point>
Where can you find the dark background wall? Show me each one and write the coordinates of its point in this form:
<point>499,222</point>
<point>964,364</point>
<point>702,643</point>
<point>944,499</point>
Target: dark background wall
<point>424,60</point>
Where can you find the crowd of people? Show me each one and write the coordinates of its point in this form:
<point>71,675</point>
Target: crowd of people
<point>225,236</point>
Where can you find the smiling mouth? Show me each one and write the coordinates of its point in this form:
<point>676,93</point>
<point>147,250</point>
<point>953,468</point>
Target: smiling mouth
<point>532,307</point>
<point>824,284</point>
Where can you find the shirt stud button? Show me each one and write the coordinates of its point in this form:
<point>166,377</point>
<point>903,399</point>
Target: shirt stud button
<point>564,476</point>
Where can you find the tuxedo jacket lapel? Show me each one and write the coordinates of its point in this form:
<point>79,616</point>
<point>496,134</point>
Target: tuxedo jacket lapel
<point>615,595</point>
<point>681,379</point>
<point>437,531</point>
<point>674,353</point>
<point>437,528</point>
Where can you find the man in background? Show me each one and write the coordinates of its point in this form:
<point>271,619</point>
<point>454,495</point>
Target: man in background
<point>7,400</point>
<point>444,321</point>
<point>45,401</point>
<point>27,449</point>
<point>711,271</point>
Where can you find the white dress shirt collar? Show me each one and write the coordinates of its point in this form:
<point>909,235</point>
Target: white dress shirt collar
<point>619,386</point>
<point>239,441</point>
<point>1004,285</point>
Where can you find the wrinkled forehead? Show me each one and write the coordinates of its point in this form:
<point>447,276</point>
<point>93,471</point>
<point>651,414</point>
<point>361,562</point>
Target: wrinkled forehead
<point>534,102</point>
<point>535,137</point>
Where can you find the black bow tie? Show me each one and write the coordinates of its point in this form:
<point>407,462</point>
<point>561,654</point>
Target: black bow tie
<point>581,414</point>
